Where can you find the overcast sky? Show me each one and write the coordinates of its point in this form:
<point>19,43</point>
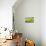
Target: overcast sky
<point>6,13</point>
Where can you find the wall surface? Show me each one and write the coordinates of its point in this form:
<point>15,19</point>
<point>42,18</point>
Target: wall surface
<point>36,30</point>
<point>29,8</point>
<point>43,22</point>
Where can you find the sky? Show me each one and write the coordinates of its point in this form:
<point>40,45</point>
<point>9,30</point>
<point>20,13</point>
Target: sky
<point>6,13</point>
